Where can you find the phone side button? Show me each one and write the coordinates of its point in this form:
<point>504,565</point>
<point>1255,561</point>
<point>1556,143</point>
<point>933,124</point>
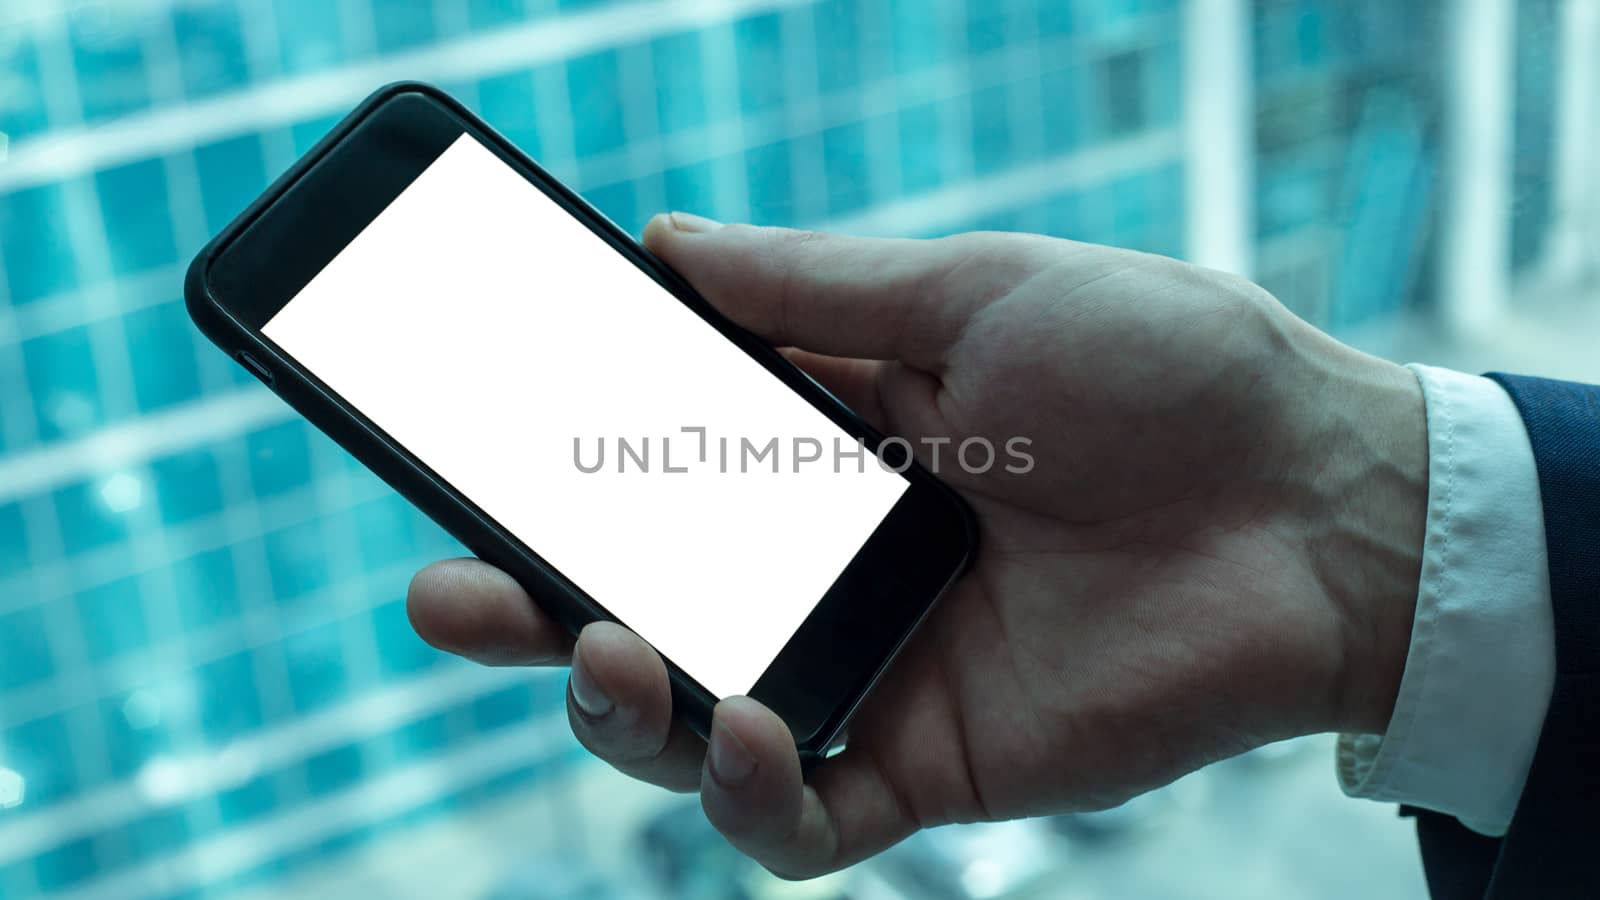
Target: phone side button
<point>255,367</point>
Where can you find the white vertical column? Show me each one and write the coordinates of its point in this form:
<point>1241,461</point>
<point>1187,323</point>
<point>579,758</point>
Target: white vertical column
<point>1219,135</point>
<point>1475,238</point>
<point>1572,248</point>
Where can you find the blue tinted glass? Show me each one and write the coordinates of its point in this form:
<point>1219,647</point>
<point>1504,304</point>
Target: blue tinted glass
<point>399,648</point>
<point>1168,181</point>
<point>232,173</point>
<point>1124,97</point>
<point>111,849</point>
<point>226,693</point>
<point>1163,86</point>
<point>1346,33</point>
<point>42,752</point>
<point>337,768</point>
<point>594,85</point>
<point>422,738</point>
<point>211,51</point>
<point>920,149</point>
<point>297,560</point>
<point>1131,211</point>
<point>133,204</point>
<point>161,342</point>
<point>1055,17</point>
<point>1098,203</point>
<point>112,617</point>
<point>1097,14</point>
<point>316,667</point>
<point>309,34</point>
<point>680,86</point>
<point>1063,217</point>
<point>401,24</point>
<point>991,130</point>
<point>838,35</point>
<point>997,221</point>
<point>919,40</point>
<point>1058,92</point>
<point>485,14</point>
<point>23,114</point>
<point>65,865</point>
<point>34,241</point>
<point>986,26</point>
<point>250,800</point>
<point>502,708</point>
<point>506,101</point>
<point>61,378</point>
<point>13,540</point>
<point>1275,56</point>
<point>86,522</point>
<point>280,459</point>
<point>306,134</point>
<point>845,149</point>
<point>1310,35</point>
<point>690,188</point>
<point>432,541</point>
<point>108,55</point>
<point>1166,239</point>
<point>206,588</point>
<point>384,531</point>
<point>187,486</point>
<point>159,833</point>
<point>620,204</point>
<point>1290,193</point>
<point>771,190</point>
<point>761,67</point>
<point>135,729</point>
<point>24,648</point>
<point>16,879</point>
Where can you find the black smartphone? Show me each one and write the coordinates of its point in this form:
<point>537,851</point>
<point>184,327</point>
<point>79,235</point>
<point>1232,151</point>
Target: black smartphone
<point>574,413</point>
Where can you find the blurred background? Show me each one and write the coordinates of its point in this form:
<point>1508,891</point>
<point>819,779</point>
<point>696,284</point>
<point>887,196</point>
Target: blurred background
<point>208,686</point>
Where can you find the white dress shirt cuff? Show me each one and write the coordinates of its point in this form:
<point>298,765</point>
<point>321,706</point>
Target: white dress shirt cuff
<point>1481,665</point>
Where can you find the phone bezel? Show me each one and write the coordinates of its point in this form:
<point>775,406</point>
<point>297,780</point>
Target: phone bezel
<point>265,256</point>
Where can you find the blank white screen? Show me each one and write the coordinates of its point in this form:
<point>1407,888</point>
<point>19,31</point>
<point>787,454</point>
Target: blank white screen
<point>485,329</point>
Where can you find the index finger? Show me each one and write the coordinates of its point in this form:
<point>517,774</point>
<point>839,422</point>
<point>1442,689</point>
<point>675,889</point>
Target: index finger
<point>870,298</point>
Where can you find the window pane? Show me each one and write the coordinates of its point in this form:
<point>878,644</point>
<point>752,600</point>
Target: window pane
<point>232,173</point>
<point>109,57</point>
<point>62,379</point>
<point>211,49</point>
<point>35,244</point>
<point>134,206</point>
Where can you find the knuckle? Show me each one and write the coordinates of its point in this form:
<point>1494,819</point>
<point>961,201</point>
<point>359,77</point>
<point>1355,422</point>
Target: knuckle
<point>794,239</point>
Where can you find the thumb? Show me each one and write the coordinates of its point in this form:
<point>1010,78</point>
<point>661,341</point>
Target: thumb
<point>872,298</point>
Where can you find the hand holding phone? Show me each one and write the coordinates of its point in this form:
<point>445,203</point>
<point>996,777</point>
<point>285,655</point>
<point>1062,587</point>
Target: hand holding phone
<point>1180,575</point>
<point>478,336</point>
<point>1175,481</point>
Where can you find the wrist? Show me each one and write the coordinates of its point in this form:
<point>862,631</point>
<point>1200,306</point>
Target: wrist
<point>1364,451</point>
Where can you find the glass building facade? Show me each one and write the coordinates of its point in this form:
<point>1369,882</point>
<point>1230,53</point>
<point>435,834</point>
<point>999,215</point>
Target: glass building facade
<point>208,684</point>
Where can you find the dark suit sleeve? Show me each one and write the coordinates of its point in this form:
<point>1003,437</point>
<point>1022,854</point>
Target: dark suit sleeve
<point>1552,849</point>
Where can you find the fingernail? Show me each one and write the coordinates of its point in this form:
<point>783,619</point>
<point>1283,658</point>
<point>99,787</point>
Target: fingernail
<point>728,758</point>
<point>692,223</point>
<point>586,692</point>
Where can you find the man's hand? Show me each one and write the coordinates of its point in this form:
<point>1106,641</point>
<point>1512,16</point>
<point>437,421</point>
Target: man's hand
<point>1218,545</point>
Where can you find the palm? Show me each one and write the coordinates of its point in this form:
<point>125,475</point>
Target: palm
<point>1120,581</point>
